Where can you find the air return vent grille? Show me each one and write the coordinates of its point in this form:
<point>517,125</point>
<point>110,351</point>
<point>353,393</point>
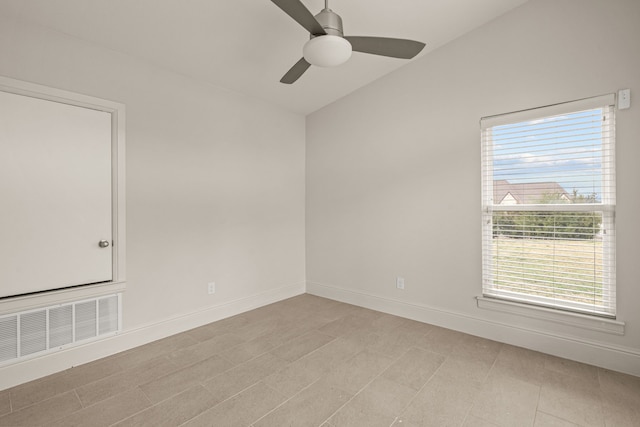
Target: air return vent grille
<point>34,332</point>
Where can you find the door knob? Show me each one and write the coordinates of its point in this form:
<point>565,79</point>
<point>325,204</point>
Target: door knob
<point>103,243</point>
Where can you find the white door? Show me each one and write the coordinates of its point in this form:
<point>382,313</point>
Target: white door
<point>55,195</point>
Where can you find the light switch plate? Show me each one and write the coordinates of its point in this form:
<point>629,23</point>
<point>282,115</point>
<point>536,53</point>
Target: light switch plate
<point>624,99</point>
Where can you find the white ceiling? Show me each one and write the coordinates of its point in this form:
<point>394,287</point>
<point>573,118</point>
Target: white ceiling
<point>248,45</point>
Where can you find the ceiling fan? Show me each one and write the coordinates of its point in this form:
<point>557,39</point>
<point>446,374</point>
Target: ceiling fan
<point>328,47</point>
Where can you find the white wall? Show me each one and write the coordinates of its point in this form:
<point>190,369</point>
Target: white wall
<point>215,180</point>
<point>393,172</point>
<point>215,190</point>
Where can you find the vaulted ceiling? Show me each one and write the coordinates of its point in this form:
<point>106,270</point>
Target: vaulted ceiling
<point>248,45</point>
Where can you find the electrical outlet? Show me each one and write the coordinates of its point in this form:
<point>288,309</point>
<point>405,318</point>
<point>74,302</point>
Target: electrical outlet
<point>400,282</point>
<point>211,288</point>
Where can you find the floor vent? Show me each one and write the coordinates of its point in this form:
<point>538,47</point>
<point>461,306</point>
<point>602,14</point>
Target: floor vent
<point>43,330</point>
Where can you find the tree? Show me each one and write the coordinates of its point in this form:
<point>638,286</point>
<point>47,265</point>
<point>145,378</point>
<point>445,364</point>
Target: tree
<point>550,224</point>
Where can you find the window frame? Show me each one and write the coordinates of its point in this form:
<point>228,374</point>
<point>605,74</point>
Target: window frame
<point>606,206</point>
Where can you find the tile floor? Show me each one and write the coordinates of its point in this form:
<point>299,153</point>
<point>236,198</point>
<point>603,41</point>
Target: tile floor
<point>309,361</point>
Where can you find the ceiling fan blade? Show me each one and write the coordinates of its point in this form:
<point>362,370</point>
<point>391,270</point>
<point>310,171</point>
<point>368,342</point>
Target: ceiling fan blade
<point>298,11</point>
<point>395,48</point>
<point>295,72</point>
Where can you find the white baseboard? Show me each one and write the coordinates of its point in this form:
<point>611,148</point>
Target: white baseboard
<point>51,363</point>
<point>617,358</point>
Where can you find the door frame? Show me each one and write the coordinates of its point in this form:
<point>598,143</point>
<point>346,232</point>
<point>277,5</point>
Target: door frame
<point>117,111</point>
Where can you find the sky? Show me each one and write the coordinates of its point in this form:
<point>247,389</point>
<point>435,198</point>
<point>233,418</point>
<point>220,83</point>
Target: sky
<point>567,149</point>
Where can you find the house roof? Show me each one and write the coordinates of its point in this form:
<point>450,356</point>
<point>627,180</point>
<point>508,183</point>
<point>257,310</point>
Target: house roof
<point>526,193</point>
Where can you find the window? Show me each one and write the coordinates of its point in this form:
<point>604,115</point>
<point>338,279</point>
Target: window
<point>548,199</point>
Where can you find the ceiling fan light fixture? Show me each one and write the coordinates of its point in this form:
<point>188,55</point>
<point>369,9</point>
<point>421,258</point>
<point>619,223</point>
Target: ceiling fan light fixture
<point>327,51</point>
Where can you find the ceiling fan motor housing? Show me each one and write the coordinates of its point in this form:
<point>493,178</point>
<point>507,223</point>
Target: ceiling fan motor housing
<point>327,46</point>
<point>331,22</point>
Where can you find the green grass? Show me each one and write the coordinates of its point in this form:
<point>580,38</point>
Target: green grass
<point>569,270</point>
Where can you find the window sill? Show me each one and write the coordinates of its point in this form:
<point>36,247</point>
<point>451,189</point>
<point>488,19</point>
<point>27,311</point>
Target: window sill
<point>583,321</point>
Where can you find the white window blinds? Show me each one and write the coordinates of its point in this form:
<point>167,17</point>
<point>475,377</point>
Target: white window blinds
<point>548,194</point>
